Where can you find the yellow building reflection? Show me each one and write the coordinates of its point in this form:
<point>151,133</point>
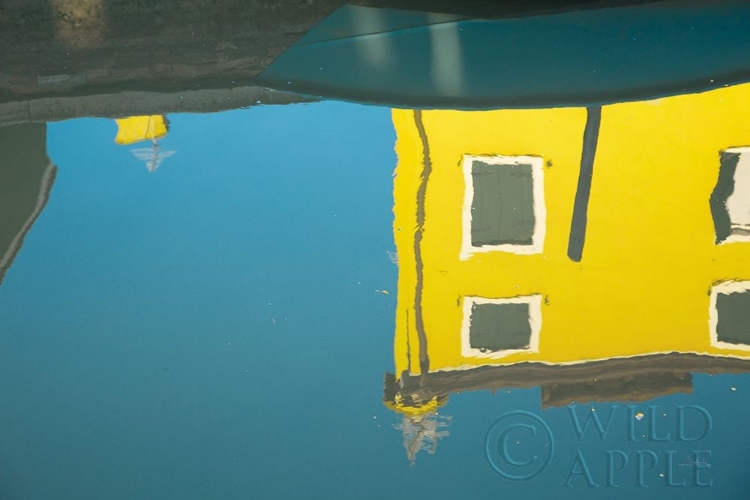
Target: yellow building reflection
<point>135,129</point>
<point>80,24</point>
<point>141,128</point>
<point>599,253</point>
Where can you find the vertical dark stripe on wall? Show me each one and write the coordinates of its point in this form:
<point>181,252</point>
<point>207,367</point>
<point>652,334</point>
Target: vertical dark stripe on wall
<point>581,204</point>
<point>424,358</point>
<point>408,345</point>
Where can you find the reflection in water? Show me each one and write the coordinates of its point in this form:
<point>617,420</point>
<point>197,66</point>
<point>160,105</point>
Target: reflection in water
<point>729,201</point>
<point>599,253</point>
<point>518,54</point>
<point>421,433</point>
<point>100,47</point>
<point>145,128</point>
<point>26,178</point>
<point>27,174</point>
<point>79,24</point>
<point>152,157</point>
<point>141,128</point>
<point>419,423</point>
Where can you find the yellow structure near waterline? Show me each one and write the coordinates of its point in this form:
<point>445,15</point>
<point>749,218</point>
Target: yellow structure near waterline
<point>654,277</point>
<point>145,128</point>
<point>140,128</point>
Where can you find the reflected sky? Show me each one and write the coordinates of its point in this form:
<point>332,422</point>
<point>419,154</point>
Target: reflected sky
<point>219,313</point>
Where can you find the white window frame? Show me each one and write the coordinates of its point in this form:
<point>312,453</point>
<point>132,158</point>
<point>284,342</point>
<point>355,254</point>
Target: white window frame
<point>713,313</point>
<point>737,238</point>
<point>540,210</point>
<point>535,322</point>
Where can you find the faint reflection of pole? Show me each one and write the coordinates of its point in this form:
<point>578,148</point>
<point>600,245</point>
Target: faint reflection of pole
<point>420,432</point>
<point>153,156</point>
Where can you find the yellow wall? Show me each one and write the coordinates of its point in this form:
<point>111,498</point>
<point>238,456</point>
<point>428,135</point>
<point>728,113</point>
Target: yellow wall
<point>140,128</point>
<point>649,259</point>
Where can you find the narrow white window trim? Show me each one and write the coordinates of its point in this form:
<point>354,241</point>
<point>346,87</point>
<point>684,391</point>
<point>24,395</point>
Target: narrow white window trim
<point>540,210</point>
<point>535,322</point>
<point>738,202</point>
<point>713,313</point>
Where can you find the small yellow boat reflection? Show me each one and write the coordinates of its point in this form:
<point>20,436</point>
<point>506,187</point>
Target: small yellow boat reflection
<point>141,128</point>
<point>137,129</point>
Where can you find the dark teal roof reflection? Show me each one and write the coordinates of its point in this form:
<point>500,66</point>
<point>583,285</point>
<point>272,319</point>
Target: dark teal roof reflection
<point>588,56</point>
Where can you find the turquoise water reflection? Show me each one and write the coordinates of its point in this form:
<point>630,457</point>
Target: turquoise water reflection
<point>217,329</point>
<point>210,330</point>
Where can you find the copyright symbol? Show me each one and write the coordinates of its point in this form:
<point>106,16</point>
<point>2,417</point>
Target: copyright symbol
<point>519,445</point>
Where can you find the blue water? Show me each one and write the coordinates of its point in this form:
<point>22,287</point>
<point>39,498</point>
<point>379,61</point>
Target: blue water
<point>214,330</point>
<point>210,330</point>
